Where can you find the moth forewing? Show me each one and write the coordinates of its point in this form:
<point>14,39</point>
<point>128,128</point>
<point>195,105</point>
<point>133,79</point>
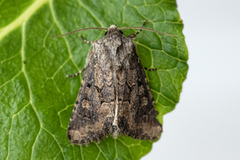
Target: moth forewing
<point>114,97</point>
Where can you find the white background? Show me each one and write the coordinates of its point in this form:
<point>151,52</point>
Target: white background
<point>205,125</point>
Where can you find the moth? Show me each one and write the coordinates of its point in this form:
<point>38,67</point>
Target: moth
<point>114,97</point>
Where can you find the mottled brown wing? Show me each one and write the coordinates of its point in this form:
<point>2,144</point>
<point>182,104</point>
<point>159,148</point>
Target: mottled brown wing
<point>93,111</point>
<point>136,113</point>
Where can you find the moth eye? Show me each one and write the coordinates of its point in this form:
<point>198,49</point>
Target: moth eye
<point>105,33</point>
<point>121,32</point>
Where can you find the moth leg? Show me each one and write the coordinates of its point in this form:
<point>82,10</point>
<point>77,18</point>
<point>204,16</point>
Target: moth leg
<point>84,40</point>
<point>150,69</point>
<point>76,74</point>
<point>133,36</point>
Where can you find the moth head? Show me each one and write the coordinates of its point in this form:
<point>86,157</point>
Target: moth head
<point>112,29</point>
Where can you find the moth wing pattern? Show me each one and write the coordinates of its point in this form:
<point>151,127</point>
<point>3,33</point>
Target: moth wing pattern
<point>137,115</point>
<point>93,111</point>
<point>114,97</point>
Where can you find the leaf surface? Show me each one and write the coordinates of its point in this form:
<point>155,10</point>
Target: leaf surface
<point>36,98</point>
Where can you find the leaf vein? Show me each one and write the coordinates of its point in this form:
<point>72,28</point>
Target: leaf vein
<point>56,141</point>
<point>100,150</point>
<point>22,18</point>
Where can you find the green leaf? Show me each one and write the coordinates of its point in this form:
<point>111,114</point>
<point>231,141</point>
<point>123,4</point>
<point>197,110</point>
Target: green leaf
<point>36,98</point>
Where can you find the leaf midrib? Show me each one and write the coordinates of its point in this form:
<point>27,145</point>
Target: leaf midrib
<point>22,18</point>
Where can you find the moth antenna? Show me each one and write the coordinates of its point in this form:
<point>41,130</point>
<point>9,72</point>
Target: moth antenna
<point>147,29</point>
<point>78,31</point>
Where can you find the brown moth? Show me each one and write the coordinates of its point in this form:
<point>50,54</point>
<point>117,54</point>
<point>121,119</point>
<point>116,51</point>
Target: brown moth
<point>114,97</point>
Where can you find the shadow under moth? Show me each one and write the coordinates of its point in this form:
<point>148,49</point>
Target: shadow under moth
<point>114,97</point>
